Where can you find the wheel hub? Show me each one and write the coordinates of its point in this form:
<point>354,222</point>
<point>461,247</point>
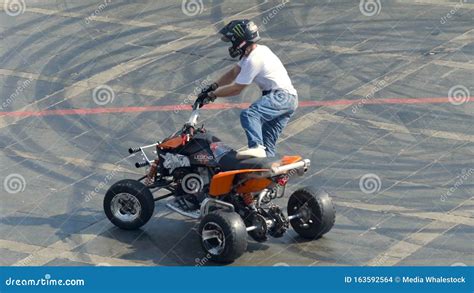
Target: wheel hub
<point>125,207</point>
<point>303,215</point>
<point>213,238</point>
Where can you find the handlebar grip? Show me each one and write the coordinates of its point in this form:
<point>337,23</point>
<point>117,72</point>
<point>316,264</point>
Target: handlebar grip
<point>134,150</point>
<point>141,164</point>
<point>214,86</point>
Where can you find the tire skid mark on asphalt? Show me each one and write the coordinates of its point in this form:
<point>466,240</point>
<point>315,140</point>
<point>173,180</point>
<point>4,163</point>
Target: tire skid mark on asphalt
<point>454,64</point>
<point>410,245</point>
<point>396,128</point>
<point>415,241</point>
<point>391,77</point>
<point>135,23</point>
<point>70,185</point>
<point>79,87</point>
<point>312,119</point>
<point>105,19</point>
<point>116,88</point>
<point>69,160</point>
<point>437,2</point>
<point>467,212</point>
<point>395,75</point>
<point>385,258</point>
<point>450,217</point>
<point>39,255</point>
<point>2,125</point>
<point>123,68</point>
<point>183,37</point>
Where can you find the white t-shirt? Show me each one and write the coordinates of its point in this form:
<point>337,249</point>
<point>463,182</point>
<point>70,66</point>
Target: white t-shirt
<point>266,69</point>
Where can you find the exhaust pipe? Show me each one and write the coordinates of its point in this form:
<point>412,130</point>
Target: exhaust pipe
<point>300,167</point>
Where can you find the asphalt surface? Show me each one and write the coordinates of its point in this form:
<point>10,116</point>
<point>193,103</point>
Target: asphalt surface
<point>385,117</point>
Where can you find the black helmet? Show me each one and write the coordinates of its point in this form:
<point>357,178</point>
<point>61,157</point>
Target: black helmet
<point>241,33</point>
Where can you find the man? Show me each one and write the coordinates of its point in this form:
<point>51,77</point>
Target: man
<point>265,119</point>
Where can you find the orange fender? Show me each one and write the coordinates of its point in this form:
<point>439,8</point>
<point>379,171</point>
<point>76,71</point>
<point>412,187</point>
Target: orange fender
<point>222,182</point>
<point>171,143</point>
<point>290,159</point>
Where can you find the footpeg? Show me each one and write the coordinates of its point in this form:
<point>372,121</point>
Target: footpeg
<point>194,214</point>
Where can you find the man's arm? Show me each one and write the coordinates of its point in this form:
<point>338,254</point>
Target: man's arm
<point>229,76</point>
<point>227,87</point>
<point>229,90</point>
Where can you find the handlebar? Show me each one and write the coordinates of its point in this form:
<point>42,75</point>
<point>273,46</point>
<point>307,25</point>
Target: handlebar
<point>141,164</point>
<point>134,150</point>
<point>194,114</point>
<point>196,105</point>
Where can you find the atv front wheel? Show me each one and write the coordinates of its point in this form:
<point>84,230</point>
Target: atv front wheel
<point>314,211</point>
<point>129,204</point>
<point>223,236</point>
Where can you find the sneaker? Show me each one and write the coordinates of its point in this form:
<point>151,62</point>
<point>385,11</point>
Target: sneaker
<point>255,152</point>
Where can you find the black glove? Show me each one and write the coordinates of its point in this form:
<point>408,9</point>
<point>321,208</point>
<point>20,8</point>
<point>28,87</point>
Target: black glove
<point>209,88</point>
<point>205,98</point>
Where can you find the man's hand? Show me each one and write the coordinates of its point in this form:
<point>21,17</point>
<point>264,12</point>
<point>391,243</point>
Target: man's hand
<point>210,88</point>
<point>205,98</point>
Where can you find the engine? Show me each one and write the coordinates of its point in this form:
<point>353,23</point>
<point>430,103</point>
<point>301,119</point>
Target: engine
<point>173,161</point>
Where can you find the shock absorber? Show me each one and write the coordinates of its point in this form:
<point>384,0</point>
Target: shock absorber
<point>150,177</point>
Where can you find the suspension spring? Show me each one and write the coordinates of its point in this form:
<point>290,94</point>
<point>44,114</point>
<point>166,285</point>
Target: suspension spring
<point>248,198</point>
<point>150,177</point>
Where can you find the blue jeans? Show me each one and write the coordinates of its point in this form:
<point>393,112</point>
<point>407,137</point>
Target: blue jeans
<point>265,119</point>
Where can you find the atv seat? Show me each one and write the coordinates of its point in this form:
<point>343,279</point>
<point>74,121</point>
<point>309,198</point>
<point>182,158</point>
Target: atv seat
<point>230,162</point>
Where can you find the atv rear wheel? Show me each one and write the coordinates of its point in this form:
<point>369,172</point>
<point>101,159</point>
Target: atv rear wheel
<point>315,212</point>
<point>223,236</point>
<point>129,204</point>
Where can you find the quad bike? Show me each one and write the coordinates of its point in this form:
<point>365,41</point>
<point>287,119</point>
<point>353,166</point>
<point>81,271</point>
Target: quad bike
<point>231,197</point>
